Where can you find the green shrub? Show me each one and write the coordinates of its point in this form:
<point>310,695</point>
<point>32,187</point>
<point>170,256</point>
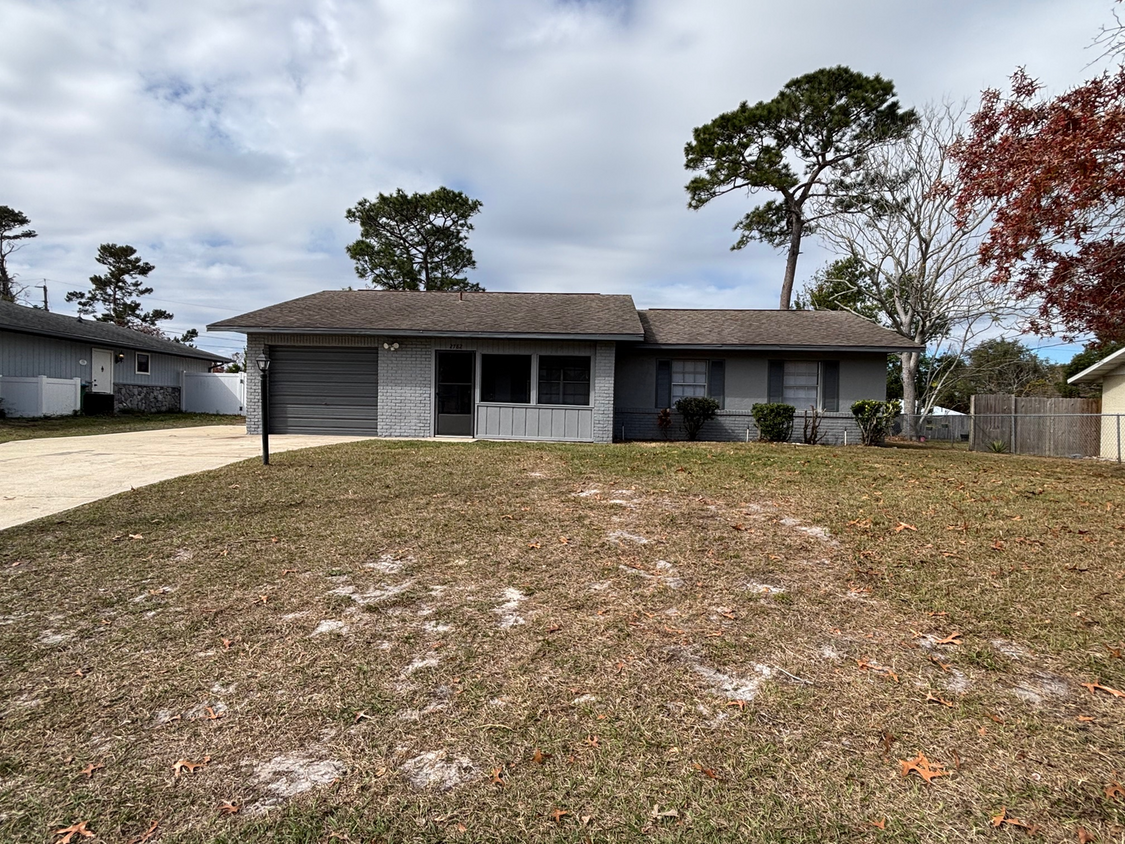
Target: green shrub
<point>696,410</point>
<point>774,421</point>
<point>874,419</point>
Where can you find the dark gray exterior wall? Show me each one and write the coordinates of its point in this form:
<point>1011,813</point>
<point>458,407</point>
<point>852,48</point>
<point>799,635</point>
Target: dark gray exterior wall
<point>862,376</point>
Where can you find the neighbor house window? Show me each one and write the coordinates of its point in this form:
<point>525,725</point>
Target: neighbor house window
<point>679,379</point>
<point>505,378</point>
<point>805,384</point>
<point>564,379</point>
<point>143,364</point>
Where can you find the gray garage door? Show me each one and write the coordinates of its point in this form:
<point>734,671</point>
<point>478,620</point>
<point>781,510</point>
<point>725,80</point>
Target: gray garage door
<point>323,391</point>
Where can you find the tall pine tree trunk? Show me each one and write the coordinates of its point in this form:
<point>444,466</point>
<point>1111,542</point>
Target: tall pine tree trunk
<point>797,228</point>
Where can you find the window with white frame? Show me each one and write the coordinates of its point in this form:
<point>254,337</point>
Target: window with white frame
<point>688,378</point>
<point>801,383</point>
<point>144,363</point>
<point>805,384</point>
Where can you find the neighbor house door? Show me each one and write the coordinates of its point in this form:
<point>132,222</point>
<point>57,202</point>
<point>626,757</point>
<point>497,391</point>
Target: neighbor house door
<point>101,376</point>
<point>454,411</point>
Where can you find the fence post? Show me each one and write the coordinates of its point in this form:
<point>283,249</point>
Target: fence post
<point>1015,445</point>
<point>77,395</point>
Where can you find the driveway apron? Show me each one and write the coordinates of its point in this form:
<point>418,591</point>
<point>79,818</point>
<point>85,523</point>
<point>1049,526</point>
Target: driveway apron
<point>45,476</point>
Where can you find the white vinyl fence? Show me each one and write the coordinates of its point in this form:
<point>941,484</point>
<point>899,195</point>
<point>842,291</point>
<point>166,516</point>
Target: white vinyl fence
<point>39,395</point>
<point>213,392</point>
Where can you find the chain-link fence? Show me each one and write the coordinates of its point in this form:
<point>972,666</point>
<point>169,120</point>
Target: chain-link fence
<point>1045,434</point>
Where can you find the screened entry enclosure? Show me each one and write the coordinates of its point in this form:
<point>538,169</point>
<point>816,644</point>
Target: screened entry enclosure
<point>535,396</point>
<point>454,413</point>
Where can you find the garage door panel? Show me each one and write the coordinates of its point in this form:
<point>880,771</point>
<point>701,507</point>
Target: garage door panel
<point>323,390</point>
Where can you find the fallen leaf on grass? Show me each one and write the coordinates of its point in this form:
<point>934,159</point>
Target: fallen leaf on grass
<point>864,665</point>
<point>539,757</point>
<point>592,741</point>
<point>904,526</point>
<point>212,715</point>
<point>146,835</point>
<point>944,666</point>
<point>496,778</point>
<point>951,639</point>
<point>995,717</point>
<point>182,765</point>
<point>1114,789</point>
<point>879,824</point>
<point>89,769</point>
<point>738,527</point>
<point>1085,719</point>
<point>72,830</point>
<point>741,704</point>
<point>535,545</point>
<point>1094,687</point>
<point>558,814</point>
<point>229,808</point>
<point>923,767</point>
<point>563,540</point>
<point>227,643</point>
<point>707,772</point>
<point>288,571</point>
<point>932,698</point>
<point>135,536</point>
<point>1004,819</point>
<point>1085,837</point>
<point>667,814</point>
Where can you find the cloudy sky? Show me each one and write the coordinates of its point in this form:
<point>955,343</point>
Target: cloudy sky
<point>225,139</point>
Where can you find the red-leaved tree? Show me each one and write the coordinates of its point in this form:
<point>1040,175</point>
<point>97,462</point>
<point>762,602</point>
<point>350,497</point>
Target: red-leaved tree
<point>1056,170</point>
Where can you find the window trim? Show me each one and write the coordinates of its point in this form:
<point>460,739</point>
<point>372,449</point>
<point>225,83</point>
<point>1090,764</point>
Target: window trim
<point>137,363</point>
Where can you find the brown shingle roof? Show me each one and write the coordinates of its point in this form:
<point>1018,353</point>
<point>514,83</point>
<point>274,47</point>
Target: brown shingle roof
<point>439,313</point>
<point>769,329</point>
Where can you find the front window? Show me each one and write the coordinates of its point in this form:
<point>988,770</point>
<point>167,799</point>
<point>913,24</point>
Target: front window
<point>505,378</point>
<point>564,379</point>
<point>143,364</point>
<point>801,383</point>
<point>689,378</point>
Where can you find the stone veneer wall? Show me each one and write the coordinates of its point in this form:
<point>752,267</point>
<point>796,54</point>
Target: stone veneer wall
<point>142,398</point>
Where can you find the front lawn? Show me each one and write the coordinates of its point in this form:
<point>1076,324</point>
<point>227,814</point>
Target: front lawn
<point>81,426</point>
<point>413,641</point>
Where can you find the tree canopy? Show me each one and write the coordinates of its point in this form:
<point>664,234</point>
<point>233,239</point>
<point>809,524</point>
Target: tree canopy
<point>415,241</point>
<point>13,230</point>
<point>1055,168</point>
<point>116,293</point>
<point>809,145</point>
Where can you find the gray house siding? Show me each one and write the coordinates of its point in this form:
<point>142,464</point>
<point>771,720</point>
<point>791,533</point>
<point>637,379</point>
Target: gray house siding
<point>406,389</point>
<point>156,392</point>
<point>862,376</point>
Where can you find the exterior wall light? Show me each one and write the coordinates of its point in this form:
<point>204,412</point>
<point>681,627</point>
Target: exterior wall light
<point>390,347</point>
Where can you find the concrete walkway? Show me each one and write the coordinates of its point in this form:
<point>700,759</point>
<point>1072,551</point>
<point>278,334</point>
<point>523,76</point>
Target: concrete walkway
<point>45,476</point>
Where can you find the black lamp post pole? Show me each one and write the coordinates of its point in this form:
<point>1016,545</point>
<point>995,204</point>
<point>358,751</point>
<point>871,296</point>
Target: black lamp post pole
<point>265,368</point>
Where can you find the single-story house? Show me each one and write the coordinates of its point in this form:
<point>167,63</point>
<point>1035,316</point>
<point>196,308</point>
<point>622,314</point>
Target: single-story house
<point>117,368</point>
<point>1110,373</point>
<point>548,366</point>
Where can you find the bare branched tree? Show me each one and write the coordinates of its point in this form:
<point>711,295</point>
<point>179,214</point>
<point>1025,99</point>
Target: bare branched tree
<point>920,269</point>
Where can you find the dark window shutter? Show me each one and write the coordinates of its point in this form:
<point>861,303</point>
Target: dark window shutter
<point>717,382</point>
<point>830,385</point>
<point>663,384</point>
<point>776,393</point>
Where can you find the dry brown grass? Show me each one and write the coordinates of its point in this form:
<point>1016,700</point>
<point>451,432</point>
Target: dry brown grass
<point>597,688</point>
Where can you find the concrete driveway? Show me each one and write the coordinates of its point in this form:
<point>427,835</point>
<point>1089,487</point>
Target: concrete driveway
<point>45,476</point>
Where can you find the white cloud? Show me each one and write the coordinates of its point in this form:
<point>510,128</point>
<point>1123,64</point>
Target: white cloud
<point>225,139</point>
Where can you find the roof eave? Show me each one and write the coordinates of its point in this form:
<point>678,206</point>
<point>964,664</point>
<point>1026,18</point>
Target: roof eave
<point>200,354</point>
<point>399,332</point>
<point>780,347</point>
<point>1096,372</point>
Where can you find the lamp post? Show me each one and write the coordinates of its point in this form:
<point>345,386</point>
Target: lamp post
<point>264,368</point>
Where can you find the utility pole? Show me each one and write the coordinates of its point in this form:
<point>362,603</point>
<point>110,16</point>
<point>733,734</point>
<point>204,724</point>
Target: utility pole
<point>44,286</point>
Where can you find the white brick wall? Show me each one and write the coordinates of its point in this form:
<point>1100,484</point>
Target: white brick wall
<point>255,348</point>
<point>604,368</point>
<point>406,390</point>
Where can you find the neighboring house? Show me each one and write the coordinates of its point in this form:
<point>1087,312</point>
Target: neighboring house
<point>547,366</point>
<point>1110,373</point>
<point>119,368</point>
